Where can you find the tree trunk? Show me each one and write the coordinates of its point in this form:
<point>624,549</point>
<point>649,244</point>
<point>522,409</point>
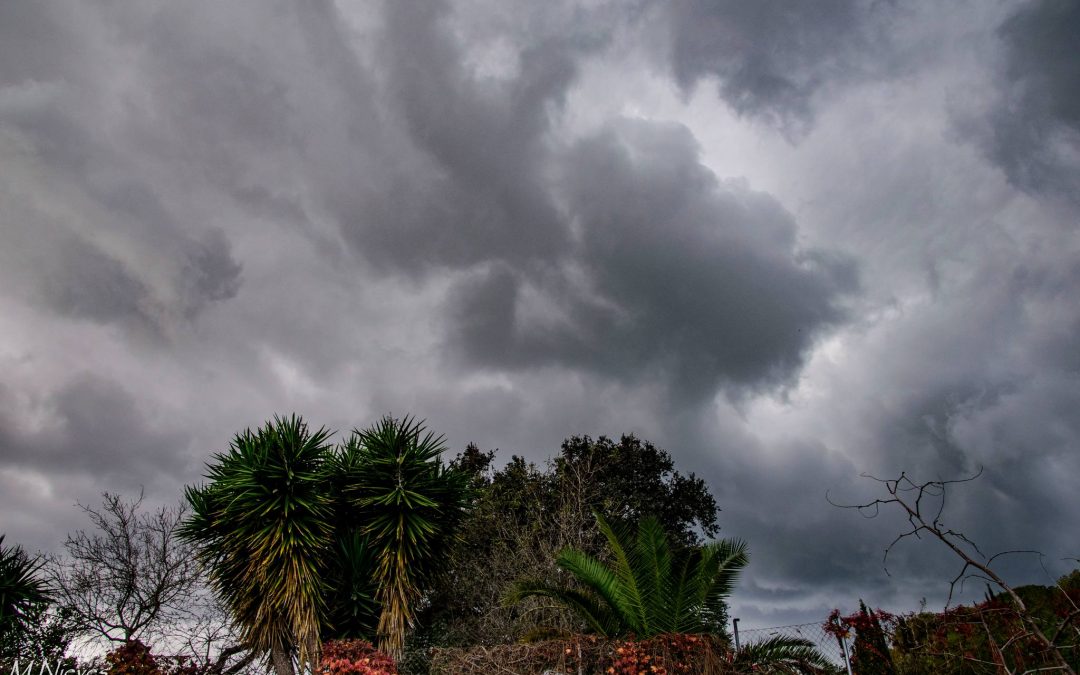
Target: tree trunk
<point>283,665</point>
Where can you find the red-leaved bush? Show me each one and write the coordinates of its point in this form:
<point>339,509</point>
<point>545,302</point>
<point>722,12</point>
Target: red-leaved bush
<point>354,657</point>
<point>134,658</point>
<point>665,655</point>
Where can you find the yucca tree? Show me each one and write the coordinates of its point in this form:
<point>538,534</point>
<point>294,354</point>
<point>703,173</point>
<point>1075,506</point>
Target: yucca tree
<point>21,589</point>
<point>648,589</point>
<point>408,504</point>
<point>263,528</point>
<point>351,589</point>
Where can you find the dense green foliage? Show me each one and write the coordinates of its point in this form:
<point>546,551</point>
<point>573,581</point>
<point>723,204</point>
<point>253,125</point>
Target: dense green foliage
<point>263,528</point>
<point>21,589</point>
<point>632,479</point>
<point>985,637</point>
<point>408,505</point>
<point>647,589</point>
<point>307,541</point>
<point>31,627</point>
<point>44,635</point>
<point>524,514</point>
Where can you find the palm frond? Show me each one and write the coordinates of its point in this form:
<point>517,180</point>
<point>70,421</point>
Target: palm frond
<point>654,571</point>
<point>782,654</point>
<point>596,614</point>
<point>628,568</point>
<point>602,581</point>
<point>648,589</point>
<point>722,561</point>
<point>21,589</point>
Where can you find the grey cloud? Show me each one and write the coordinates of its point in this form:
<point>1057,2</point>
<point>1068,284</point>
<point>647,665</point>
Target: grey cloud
<point>769,56</point>
<point>105,239</point>
<point>29,35</point>
<point>475,191</point>
<point>87,283</point>
<point>131,272</point>
<point>210,274</point>
<point>94,425</point>
<point>207,271</point>
<point>680,273</point>
<point>806,555</point>
<point>1033,132</point>
<point>355,186</point>
<point>977,390</point>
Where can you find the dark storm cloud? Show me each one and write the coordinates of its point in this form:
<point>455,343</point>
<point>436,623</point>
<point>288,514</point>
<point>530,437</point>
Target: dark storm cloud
<point>1017,435</point>
<point>467,211</point>
<point>1034,131</point>
<point>476,192</point>
<point>210,274</point>
<point>108,241</point>
<point>683,276</point>
<point>92,425</point>
<point>87,283</point>
<point>806,556</point>
<point>77,275</point>
<point>769,56</point>
<point>973,386</point>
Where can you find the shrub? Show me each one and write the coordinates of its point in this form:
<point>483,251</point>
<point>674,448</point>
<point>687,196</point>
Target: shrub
<point>660,655</point>
<point>354,657</point>
<point>134,658</point>
<point>667,655</point>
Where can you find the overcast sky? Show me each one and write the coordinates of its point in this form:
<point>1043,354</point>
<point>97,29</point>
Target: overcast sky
<point>789,242</point>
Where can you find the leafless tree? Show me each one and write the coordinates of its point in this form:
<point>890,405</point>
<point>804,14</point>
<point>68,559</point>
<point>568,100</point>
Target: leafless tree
<point>923,505</point>
<point>132,578</point>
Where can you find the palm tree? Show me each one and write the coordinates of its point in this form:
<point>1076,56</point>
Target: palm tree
<point>262,527</point>
<point>409,505</point>
<point>21,590</point>
<point>781,655</point>
<point>649,589</point>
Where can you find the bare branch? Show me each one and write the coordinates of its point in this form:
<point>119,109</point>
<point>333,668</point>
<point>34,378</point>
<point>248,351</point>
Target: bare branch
<point>131,577</point>
<point>909,496</point>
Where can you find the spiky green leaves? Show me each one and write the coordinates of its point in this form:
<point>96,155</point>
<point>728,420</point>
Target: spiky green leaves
<point>782,655</point>
<point>263,527</point>
<point>409,504</point>
<point>648,589</point>
<point>352,591</point>
<point>301,538</point>
<point>21,590</point>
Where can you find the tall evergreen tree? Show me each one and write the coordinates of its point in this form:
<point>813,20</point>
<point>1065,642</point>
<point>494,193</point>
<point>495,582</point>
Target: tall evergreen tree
<point>871,654</point>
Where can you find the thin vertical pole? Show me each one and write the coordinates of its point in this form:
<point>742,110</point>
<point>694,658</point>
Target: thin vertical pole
<point>843,645</point>
<point>735,625</point>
